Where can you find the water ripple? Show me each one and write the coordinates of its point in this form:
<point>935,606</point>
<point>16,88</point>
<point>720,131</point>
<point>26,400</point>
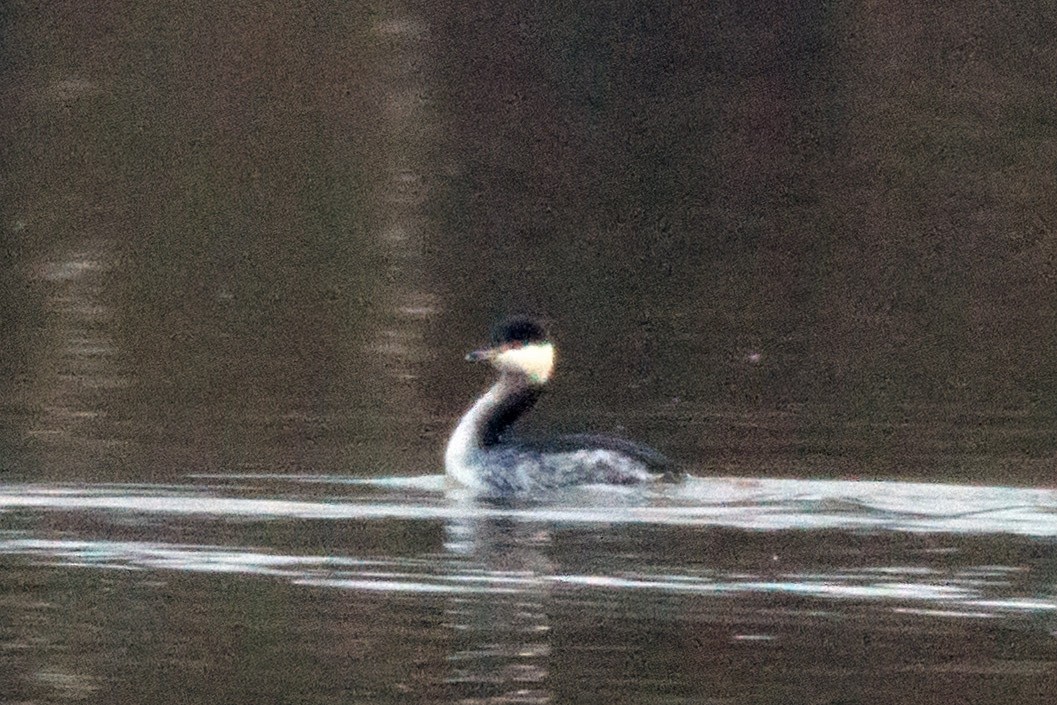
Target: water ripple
<point>909,589</point>
<point>768,505</point>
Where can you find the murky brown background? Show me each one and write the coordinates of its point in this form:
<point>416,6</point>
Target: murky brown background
<point>251,235</point>
<point>773,239</point>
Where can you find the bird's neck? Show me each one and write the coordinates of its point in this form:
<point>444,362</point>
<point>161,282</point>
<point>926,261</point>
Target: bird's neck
<point>507,401</point>
<point>485,424</point>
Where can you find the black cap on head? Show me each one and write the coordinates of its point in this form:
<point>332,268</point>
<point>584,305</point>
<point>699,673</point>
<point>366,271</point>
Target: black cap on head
<point>519,329</point>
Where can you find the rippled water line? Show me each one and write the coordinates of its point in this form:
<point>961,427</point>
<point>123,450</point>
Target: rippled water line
<point>820,588</point>
<point>959,599</point>
<point>755,505</point>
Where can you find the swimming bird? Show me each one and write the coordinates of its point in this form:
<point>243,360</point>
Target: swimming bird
<point>481,455</point>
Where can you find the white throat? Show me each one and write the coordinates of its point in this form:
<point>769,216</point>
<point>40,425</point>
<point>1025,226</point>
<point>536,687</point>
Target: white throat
<point>535,361</point>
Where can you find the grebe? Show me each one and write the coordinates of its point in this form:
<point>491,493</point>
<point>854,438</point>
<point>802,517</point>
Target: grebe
<point>480,456</point>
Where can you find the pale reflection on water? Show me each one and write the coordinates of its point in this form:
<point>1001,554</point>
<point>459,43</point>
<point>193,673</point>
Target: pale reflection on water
<point>79,363</point>
<point>513,589</point>
<point>742,503</point>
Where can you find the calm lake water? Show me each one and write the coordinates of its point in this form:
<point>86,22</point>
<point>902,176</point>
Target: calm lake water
<point>808,250</point>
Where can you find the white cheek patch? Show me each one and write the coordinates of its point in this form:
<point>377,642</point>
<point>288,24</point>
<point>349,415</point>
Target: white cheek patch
<point>536,361</point>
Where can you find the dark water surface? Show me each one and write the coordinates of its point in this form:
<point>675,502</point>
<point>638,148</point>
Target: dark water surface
<point>318,589</point>
<point>807,247</point>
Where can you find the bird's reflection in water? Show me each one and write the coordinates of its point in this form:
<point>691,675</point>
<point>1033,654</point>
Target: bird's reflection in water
<point>501,629</point>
